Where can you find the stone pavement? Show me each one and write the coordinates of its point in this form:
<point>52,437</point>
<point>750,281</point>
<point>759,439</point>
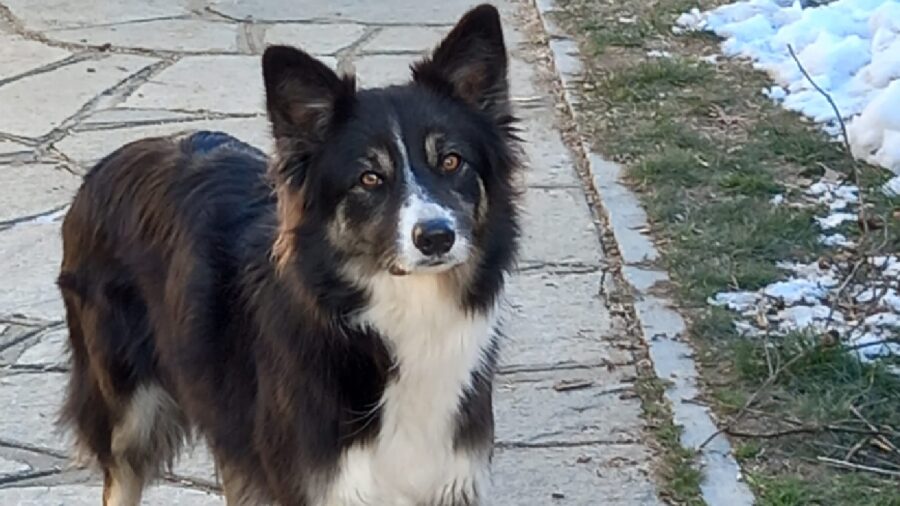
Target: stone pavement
<point>79,78</point>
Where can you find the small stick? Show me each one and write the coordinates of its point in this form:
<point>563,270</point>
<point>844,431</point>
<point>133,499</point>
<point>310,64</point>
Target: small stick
<point>858,446</point>
<point>771,379</point>
<point>880,438</point>
<point>858,467</point>
<point>840,119</point>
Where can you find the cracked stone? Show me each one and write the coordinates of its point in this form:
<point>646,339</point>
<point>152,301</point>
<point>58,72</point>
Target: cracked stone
<point>55,14</point>
<point>90,146</point>
<point>226,84</point>
<point>522,80</point>
<point>534,412</point>
<point>26,111</point>
<point>19,55</point>
<point>196,464</point>
<point>10,334</point>
<point>12,148</point>
<point>405,38</point>
<point>31,255</point>
<point>122,116</point>
<point>547,160</point>
<point>9,467</point>
<point>314,39</point>
<point>39,188</point>
<point>612,475</point>
<point>163,34</point>
<point>557,226</point>
<point>31,403</point>
<point>558,324</point>
<point>398,11</point>
<point>49,350</point>
<point>90,495</point>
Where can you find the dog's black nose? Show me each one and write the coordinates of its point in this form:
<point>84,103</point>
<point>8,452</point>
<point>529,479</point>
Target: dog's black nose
<point>433,237</point>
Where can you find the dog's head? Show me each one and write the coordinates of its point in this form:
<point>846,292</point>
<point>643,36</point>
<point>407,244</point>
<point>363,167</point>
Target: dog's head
<point>411,179</point>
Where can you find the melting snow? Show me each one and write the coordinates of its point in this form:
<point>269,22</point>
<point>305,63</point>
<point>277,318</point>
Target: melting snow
<point>851,48</point>
<point>807,298</point>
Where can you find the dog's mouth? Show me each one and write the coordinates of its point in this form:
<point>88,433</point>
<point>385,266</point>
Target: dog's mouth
<point>427,266</point>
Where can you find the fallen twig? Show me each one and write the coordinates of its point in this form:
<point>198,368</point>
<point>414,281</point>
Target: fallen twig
<point>771,379</point>
<point>858,467</point>
<point>886,442</point>
<point>806,429</point>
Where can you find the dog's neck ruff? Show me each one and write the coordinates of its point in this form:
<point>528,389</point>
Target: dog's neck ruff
<point>437,346</point>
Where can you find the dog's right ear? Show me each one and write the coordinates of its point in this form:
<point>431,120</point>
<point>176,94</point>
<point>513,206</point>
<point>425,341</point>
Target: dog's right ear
<point>303,96</point>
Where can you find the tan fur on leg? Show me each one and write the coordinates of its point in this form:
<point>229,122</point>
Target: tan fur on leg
<point>122,487</point>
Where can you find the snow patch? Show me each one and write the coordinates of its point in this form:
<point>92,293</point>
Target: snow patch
<point>851,48</point>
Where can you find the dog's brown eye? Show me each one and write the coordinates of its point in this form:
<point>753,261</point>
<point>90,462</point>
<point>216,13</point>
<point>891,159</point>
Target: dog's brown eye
<point>370,180</point>
<point>451,163</point>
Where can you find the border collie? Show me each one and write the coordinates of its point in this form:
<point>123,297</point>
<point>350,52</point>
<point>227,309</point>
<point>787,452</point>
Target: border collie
<point>324,319</point>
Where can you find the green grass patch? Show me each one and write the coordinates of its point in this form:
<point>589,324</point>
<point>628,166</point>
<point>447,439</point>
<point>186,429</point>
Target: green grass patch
<point>844,490</point>
<point>653,79</point>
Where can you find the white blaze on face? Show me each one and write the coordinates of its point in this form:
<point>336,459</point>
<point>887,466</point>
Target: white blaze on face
<point>418,208</point>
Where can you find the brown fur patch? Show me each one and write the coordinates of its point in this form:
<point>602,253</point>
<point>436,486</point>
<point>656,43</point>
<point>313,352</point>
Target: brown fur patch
<point>290,216</point>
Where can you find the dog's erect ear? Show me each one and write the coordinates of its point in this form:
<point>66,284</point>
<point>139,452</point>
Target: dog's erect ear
<point>303,95</point>
<point>470,63</point>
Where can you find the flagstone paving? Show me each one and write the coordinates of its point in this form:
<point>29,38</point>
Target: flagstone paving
<point>79,78</point>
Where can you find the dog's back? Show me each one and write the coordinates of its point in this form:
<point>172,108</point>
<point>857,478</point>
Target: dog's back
<point>157,228</point>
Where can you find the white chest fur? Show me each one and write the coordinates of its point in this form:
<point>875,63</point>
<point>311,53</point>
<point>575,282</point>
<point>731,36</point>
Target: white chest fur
<point>437,347</point>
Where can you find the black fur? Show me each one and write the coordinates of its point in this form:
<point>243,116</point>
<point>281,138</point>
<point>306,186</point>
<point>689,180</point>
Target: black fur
<point>172,275</point>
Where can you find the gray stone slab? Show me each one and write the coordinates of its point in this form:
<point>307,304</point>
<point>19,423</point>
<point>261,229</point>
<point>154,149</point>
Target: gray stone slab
<point>383,70</point>
<point>124,116</point>
<point>557,320</point>
<point>196,464</point>
<point>91,495</point>
<point>600,475</point>
<point>530,411</point>
<point>417,39</point>
<point>397,11</point>
<point>10,337</point>
<point>227,84</point>
<point>19,55</point>
<point>48,350</point>
<point>314,39</point>
<point>39,188</point>
<point>89,146</point>
<point>626,216</point>
<point>25,109</point>
<point>30,403</point>
<point>12,148</point>
<point>548,160</point>
<point>164,34</point>
<point>557,227</point>
<point>31,253</point>
<point>11,467</point>
<point>54,14</point>
<point>523,78</point>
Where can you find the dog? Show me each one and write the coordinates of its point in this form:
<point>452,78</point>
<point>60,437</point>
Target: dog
<point>325,319</point>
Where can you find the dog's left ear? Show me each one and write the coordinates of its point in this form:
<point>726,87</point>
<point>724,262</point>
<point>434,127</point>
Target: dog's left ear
<point>470,63</point>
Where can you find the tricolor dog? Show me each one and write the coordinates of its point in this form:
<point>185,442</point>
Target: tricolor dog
<point>324,318</point>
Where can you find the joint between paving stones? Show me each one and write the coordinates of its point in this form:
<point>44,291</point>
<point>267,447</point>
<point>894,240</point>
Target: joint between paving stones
<point>504,445</point>
<point>117,93</point>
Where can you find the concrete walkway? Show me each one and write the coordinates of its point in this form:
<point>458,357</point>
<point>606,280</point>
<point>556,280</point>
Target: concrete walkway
<point>79,78</point>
